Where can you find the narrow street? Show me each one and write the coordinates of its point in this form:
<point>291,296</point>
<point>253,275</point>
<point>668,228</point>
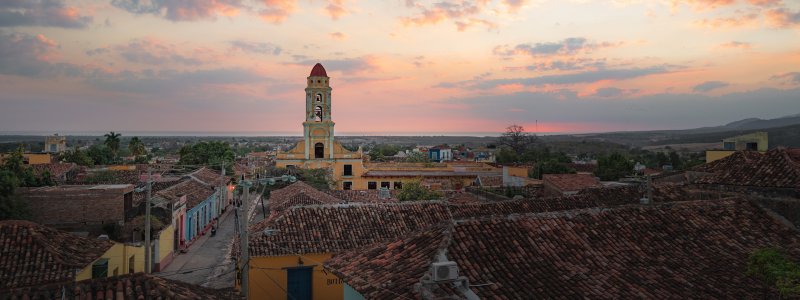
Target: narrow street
<point>207,262</point>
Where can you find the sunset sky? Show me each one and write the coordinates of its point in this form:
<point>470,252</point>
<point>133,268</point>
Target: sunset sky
<point>397,66</point>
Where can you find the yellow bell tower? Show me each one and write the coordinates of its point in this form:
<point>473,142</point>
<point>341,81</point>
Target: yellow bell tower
<point>318,126</point>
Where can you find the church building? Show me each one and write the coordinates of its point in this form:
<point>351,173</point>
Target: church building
<point>319,149</point>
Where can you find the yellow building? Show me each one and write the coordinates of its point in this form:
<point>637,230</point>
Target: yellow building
<point>319,149</point>
<point>287,252</point>
<point>39,255</point>
<point>757,141</point>
<point>30,158</point>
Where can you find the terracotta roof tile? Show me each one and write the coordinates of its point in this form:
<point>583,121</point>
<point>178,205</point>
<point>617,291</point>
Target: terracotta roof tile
<point>630,251</point>
<point>195,192</point>
<point>570,182</point>
<point>33,254</point>
<point>298,193</point>
<point>130,286</point>
<point>209,177</point>
<point>368,196</point>
<point>776,168</point>
<point>333,228</point>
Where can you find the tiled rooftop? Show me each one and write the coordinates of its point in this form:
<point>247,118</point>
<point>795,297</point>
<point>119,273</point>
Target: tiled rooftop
<point>368,196</point>
<point>334,228</point>
<point>139,196</point>
<point>777,168</point>
<point>570,182</point>
<point>32,254</point>
<point>56,170</point>
<point>695,249</point>
<point>130,286</point>
<point>195,192</point>
<point>208,177</point>
<point>298,193</point>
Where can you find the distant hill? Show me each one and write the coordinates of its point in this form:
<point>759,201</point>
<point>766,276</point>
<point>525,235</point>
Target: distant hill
<point>752,123</point>
<point>784,131</point>
<point>786,136</point>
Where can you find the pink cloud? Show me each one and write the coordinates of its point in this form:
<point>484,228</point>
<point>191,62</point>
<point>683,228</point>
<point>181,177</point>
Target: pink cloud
<point>52,13</point>
<point>277,11</point>
<point>464,25</point>
<point>335,9</point>
<point>182,10</point>
<point>782,17</point>
<point>730,22</point>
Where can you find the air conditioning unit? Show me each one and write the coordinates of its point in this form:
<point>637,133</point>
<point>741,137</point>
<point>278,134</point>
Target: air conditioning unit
<point>444,271</point>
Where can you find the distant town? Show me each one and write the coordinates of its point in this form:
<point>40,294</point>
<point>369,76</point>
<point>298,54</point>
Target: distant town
<point>705,213</point>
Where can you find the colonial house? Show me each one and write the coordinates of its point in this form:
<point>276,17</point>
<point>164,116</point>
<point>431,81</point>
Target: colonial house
<point>35,255</point>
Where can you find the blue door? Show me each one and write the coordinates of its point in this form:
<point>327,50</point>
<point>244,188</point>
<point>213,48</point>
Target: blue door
<point>299,283</point>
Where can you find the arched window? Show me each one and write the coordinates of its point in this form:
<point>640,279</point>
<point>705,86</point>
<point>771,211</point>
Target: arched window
<point>318,113</point>
<point>319,150</point>
<point>319,97</point>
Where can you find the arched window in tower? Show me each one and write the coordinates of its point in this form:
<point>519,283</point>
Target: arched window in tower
<point>319,150</point>
<point>319,97</point>
<point>318,113</point>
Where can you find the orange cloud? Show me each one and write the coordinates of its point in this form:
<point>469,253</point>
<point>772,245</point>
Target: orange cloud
<point>731,22</point>
<point>277,11</point>
<point>335,9</point>
<point>737,45</point>
<point>337,35</point>
<point>464,25</point>
<point>782,18</point>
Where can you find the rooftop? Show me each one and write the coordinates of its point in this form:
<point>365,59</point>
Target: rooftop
<point>617,252</point>
<point>195,192</point>
<point>570,182</point>
<point>318,70</point>
<point>777,168</point>
<point>338,227</point>
<point>129,286</point>
<point>33,254</point>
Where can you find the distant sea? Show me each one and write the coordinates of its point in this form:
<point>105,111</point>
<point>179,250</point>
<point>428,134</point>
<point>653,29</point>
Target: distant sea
<point>255,133</point>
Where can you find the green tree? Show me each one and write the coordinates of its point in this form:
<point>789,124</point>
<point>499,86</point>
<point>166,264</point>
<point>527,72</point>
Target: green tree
<point>774,269</point>
<point>15,163</point>
<point>78,157</point>
<point>417,157</point>
<point>136,146</point>
<point>551,166</point>
<point>112,142</point>
<point>208,153</point>
<point>414,190</point>
<point>320,179</point>
<point>10,206</point>
<point>507,156</point>
<point>100,154</point>
<point>613,166</point>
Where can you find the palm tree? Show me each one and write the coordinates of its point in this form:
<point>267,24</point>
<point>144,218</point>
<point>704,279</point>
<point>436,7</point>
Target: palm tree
<point>136,146</point>
<point>112,142</point>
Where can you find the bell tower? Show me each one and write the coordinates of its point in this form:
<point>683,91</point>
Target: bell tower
<point>318,126</point>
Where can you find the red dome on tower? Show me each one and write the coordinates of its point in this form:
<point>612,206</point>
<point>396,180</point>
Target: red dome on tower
<point>318,70</point>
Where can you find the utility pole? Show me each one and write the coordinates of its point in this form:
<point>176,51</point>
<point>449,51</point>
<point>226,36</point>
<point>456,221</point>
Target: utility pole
<point>243,239</point>
<point>147,222</point>
<point>223,192</point>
